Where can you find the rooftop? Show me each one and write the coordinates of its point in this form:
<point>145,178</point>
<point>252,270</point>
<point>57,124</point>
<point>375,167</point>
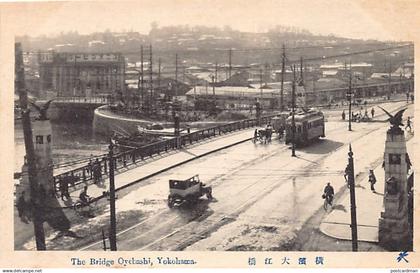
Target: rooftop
<point>233,91</point>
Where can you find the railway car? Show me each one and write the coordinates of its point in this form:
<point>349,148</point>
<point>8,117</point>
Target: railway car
<point>309,126</point>
<point>279,122</point>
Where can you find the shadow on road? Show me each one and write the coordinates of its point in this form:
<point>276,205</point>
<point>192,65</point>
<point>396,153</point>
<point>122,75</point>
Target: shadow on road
<point>322,146</point>
<point>194,211</point>
<point>339,207</point>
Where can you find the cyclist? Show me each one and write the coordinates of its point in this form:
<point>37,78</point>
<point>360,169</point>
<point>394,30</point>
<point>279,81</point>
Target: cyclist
<point>329,193</point>
<point>84,197</point>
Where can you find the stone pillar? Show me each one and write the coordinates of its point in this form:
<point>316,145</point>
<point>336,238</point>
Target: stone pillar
<point>41,131</point>
<point>393,223</point>
<point>51,211</point>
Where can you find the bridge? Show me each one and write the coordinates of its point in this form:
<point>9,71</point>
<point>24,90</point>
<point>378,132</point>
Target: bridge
<point>260,190</point>
<point>70,108</point>
<point>256,186</point>
<point>84,175</point>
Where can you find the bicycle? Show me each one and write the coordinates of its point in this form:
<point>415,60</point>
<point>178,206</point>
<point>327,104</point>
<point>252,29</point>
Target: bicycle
<point>79,206</point>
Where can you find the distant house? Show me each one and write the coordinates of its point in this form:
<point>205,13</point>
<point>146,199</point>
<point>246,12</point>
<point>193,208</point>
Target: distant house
<point>236,96</point>
<point>288,75</point>
<point>196,69</point>
<point>406,70</point>
<point>339,69</point>
<point>96,43</point>
<point>329,73</point>
<point>238,79</point>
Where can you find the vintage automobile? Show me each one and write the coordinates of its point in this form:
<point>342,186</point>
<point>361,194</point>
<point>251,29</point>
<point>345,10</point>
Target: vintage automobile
<point>188,190</point>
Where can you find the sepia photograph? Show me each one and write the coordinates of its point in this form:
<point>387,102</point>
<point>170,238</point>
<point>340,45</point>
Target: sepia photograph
<point>207,127</point>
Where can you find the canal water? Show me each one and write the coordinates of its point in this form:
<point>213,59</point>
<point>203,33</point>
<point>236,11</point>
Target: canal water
<point>72,142</point>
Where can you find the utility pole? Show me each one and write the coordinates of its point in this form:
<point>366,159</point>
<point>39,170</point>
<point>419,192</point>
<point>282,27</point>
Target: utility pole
<point>30,150</point>
<point>389,79</point>
<point>230,62</point>
<point>301,69</point>
<point>352,201</point>
<point>151,78</point>
<point>215,72</point>
<point>113,228</point>
<point>293,112</point>
<point>141,75</point>
<point>265,73</point>
<point>349,97</point>
<point>283,61</point>
<point>159,67</point>
<point>176,75</point>
<point>214,91</point>
<point>261,82</point>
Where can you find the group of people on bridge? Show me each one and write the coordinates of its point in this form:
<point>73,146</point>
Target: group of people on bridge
<point>94,170</point>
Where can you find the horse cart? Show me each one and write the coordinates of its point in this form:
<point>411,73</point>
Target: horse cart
<point>188,190</point>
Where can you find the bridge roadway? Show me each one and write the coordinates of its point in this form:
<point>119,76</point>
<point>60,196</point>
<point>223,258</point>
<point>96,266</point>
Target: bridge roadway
<point>263,196</point>
<point>148,167</point>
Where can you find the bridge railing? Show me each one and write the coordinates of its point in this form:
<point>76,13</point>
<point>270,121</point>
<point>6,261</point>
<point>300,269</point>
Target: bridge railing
<point>123,160</point>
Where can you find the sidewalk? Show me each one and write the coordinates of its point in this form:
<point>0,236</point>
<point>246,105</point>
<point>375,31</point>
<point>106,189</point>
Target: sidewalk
<point>159,163</point>
<point>369,205</point>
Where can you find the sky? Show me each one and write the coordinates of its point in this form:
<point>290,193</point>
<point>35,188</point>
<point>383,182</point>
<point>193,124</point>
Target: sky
<point>353,19</point>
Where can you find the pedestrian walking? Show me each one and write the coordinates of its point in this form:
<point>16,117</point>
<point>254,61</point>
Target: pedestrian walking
<point>343,115</point>
<point>64,187</point>
<point>90,168</point>
<point>328,193</point>
<point>372,112</point>
<point>95,173</point>
<point>372,180</point>
<point>408,125</point>
<point>99,170</point>
<point>346,175</point>
<point>269,132</point>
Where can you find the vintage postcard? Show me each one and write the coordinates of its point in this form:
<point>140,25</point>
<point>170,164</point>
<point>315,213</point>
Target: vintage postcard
<point>209,134</point>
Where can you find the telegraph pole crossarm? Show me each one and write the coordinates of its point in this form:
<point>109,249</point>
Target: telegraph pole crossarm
<point>352,201</point>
